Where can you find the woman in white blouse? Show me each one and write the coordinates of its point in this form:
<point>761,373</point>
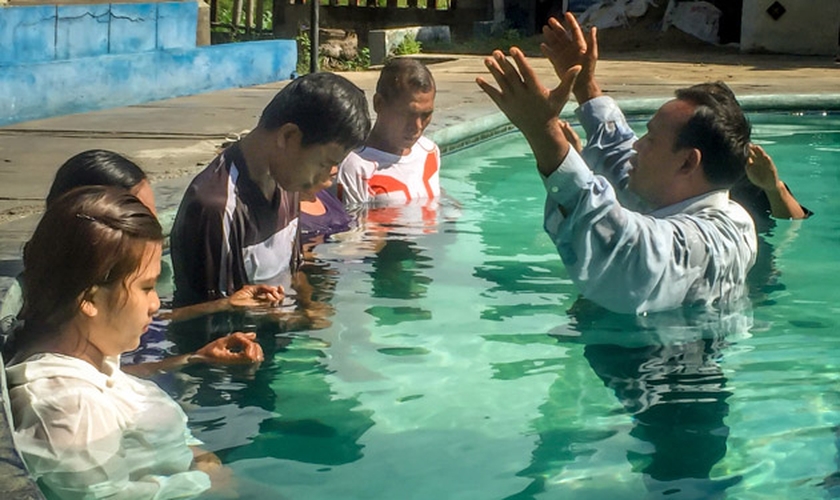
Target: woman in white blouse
<point>84,428</point>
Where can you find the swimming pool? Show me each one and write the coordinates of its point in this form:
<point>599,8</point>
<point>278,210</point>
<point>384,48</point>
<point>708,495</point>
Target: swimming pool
<point>460,364</point>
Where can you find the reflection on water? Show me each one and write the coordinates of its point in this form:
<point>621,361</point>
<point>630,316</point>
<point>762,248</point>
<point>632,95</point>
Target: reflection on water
<point>397,270</point>
<point>664,371</point>
<point>282,409</point>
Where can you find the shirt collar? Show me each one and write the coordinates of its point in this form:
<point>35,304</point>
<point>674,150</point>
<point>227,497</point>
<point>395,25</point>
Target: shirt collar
<point>713,199</point>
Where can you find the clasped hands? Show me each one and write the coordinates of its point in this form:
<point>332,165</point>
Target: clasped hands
<point>234,349</point>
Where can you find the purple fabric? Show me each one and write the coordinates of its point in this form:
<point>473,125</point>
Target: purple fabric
<point>334,220</point>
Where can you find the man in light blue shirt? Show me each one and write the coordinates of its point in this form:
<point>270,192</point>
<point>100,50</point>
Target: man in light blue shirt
<point>650,226</point>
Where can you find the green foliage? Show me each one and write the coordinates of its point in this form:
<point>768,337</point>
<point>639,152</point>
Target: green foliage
<point>361,62</point>
<point>511,36</point>
<point>304,46</point>
<point>224,32</point>
<point>408,46</point>
<point>484,46</point>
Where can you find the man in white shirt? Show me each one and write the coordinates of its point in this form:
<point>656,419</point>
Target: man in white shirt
<point>396,164</point>
<point>681,241</point>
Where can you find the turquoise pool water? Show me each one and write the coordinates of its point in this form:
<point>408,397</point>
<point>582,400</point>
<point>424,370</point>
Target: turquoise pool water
<point>460,363</point>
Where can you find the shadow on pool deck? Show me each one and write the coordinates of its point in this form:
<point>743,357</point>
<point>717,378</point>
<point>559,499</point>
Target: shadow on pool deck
<point>173,139</point>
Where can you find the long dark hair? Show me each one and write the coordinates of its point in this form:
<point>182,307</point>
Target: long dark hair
<point>90,236</point>
<point>95,167</point>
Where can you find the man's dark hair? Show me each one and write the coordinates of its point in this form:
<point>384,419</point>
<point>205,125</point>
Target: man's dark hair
<point>326,107</point>
<point>718,129</point>
<point>95,167</point>
<point>401,75</point>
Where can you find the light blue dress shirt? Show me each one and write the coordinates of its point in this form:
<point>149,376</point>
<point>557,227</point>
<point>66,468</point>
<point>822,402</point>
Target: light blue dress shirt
<point>698,251</point>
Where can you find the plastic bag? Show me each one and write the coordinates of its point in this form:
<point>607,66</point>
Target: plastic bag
<point>699,19</point>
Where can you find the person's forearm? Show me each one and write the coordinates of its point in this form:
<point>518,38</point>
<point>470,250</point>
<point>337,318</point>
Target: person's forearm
<point>196,310</point>
<point>586,90</point>
<point>152,368</point>
<point>549,146</point>
<point>782,203</point>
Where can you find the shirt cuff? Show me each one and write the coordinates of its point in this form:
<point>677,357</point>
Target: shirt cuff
<point>565,185</point>
<point>598,111</point>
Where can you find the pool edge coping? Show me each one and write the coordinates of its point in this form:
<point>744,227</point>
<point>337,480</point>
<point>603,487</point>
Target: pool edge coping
<point>462,135</point>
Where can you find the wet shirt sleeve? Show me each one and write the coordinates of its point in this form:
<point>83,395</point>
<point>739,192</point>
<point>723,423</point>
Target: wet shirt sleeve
<point>74,441</point>
<point>609,144</point>
<point>352,180</point>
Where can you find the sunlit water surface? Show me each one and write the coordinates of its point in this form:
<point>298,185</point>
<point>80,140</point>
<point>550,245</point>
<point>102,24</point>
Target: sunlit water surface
<point>460,364</point>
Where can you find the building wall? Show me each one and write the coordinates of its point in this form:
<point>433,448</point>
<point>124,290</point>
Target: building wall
<point>60,59</point>
<point>808,27</point>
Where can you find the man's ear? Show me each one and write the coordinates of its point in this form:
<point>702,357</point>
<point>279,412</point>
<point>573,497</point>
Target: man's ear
<point>378,103</point>
<point>288,135</point>
<point>693,161</point>
<point>88,303</point>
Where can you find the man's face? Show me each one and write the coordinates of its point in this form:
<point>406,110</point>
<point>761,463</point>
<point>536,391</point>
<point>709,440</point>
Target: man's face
<point>403,119</point>
<point>657,163</point>
<point>308,166</point>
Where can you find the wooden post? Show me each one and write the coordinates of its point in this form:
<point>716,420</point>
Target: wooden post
<point>249,16</point>
<point>314,21</point>
<point>260,15</point>
<point>214,11</point>
<point>236,15</point>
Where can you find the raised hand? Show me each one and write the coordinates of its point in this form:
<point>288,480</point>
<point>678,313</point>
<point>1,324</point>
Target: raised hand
<point>526,102</point>
<point>761,171</point>
<point>565,45</point>
<point>529,105</point>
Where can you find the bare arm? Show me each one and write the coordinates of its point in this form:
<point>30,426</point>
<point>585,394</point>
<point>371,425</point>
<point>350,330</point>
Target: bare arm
<point>762,172</point>
<point>246,297</point>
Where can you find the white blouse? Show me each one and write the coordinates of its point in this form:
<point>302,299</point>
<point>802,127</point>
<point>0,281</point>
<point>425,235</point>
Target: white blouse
<point>88,434</point>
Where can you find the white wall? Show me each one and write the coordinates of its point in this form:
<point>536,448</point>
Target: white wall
<point>808,27</point>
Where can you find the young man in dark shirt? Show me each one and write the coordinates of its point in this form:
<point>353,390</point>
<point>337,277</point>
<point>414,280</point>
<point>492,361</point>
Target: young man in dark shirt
<point>238,221</point>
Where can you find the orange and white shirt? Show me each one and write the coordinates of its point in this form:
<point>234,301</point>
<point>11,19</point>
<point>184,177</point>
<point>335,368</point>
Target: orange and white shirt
<point>369,174</point>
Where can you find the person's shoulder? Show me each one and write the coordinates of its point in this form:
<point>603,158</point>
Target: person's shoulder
<point>352,157</point>
<point>359,159</point>
<point>54,383</point>
<point>209,190</point>
<point>426,144</point>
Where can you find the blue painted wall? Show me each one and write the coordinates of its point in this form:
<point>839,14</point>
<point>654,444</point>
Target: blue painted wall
<point>66,59</point>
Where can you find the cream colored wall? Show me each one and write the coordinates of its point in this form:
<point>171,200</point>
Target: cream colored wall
<point>808,27</point>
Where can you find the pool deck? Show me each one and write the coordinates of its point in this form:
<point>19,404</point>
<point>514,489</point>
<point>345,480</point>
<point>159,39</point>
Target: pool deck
<point>173,139</point>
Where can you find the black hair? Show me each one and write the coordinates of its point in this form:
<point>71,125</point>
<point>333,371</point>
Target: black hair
<point>90,236</point>
<point>719,129</point>
<point>325,106</point>
<point>401,75</point>
<point>95,167</point>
